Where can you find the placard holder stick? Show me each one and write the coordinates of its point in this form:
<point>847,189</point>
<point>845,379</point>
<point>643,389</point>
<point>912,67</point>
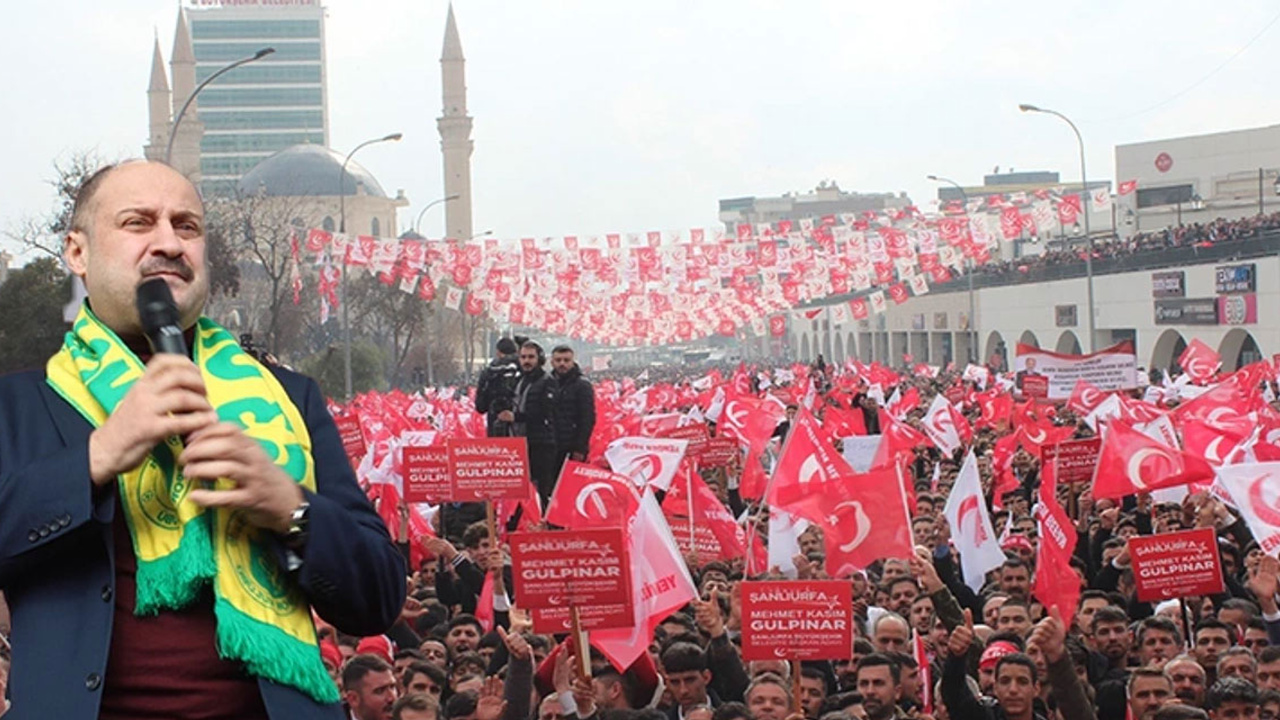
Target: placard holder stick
<point>490,522</point>
<point>795,687</point>
<point>582,642</point>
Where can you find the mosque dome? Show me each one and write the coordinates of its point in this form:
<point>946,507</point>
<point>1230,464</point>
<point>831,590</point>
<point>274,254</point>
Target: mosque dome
<point>308,171</point>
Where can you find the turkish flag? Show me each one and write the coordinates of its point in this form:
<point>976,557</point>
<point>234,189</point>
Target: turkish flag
<point>587,496</point>
<point>807,465</point>
<point>1085,397</point>
<point>1225,406</point>
<point>995,407</point>
<point>1056,582</point>
<point>1130,462</point>
<point>692,501</point>
<point>898,437</point>
<point>1199,361</point>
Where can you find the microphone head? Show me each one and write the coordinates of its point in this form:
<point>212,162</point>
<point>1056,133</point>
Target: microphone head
<point>156,306</point>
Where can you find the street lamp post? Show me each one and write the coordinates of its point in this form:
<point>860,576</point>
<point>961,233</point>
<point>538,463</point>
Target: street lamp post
<point>973,328</point>
<point>173,131</point>
<point>430,205</point>
<point>1084,184</point>
<point>342,228</point>
<point>426,307</point>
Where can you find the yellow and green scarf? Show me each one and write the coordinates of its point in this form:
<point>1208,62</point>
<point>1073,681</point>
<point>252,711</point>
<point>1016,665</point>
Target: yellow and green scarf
<point>263,620</point>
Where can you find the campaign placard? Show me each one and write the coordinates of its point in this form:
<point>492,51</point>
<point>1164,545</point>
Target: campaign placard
<point>1035,386</point>
<point>695,433</point>
<point>489,469</point>
<point>719,451</point>
<point>1076,458</point>
<point>554,621</point>
<point>575,568</point>
<point>351,436</point>
<point>1177,564</point>
<point>797,620</point>
<point>1113,368</point>
<point>427,474</point>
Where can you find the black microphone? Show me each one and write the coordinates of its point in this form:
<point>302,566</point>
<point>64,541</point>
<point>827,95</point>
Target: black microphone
<point>159,315</point>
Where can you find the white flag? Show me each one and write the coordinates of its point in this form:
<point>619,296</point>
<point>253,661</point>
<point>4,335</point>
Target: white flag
<point>971,530</point>
<point>453,298</point>
<point>940,426</point>
<point>1255,491</point>
<point>1100,200</point>
<point>646,460</point>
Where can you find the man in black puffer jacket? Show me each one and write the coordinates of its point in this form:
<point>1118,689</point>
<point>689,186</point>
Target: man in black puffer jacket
<point>575,407</point>
<point>532,417</point>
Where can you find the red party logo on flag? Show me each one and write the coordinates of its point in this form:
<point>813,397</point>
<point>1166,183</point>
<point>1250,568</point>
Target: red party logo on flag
<point>778,325</point>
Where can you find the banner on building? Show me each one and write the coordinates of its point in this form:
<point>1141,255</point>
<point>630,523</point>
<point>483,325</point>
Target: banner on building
<point>1114,368</point>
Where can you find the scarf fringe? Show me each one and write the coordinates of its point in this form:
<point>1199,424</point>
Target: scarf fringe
<point>173,581</point>
<point>271,653</point>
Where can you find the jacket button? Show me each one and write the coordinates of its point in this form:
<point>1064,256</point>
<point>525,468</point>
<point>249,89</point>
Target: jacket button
<point>54,527</point>
<point>106,593</point>
<point>64,521</point>
<point>33,536</point>
<point>92,681</point>
<point>44,531</point>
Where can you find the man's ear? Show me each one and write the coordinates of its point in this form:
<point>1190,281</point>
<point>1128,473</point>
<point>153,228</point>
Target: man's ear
<point>75,252</point>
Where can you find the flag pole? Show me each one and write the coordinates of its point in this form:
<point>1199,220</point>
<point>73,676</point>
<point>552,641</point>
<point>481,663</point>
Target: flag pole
<point>693,544</point>
<point>582,641</point>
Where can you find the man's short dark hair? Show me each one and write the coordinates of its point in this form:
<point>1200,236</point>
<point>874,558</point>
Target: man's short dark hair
<point>414,701</point>
<point>431,670</point>
<point>878,660</point>
<point>1210,623</point>
<point>1231,689</point>
<point>1178,711</point>
<point>461,704</point>
<point>1247,606</point>
<point>414,653</point>
<point>863,646</point>
<point>1269,654</point>
<point>731,711</point>
<point>684,657</point>
<point>1109,614</point>
<point>1018,659</point>
<point>465,619</point>
<point>476,533</point>
<point>1162,624</point>
<point>1146,672</point>
<point>561,349</point>
<point>359,666</point>
<point>474,659</point>
<point>1014,561</point>
<point>506,346</point>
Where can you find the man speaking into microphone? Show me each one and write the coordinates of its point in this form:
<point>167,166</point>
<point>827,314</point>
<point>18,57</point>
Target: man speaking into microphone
<point>171,511</point>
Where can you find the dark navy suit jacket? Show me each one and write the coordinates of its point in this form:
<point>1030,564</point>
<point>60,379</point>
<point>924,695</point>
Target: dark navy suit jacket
<point>56,552</point>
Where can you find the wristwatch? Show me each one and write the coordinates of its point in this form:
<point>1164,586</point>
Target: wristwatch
<point>296,536</point>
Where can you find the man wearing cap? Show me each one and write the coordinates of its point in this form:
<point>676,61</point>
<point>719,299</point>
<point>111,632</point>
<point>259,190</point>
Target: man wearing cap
<point>174,511</point>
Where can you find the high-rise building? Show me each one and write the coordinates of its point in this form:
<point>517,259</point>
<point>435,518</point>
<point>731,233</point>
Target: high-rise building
<point>257,109</point>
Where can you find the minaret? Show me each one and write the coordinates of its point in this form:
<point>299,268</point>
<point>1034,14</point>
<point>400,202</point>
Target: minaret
<point>158,105</point>
<point>186,146</point>
<point>455,135</point>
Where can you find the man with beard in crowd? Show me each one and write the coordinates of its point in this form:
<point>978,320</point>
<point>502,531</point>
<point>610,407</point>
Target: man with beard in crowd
<point>533,417</point>
<point>575,407</point>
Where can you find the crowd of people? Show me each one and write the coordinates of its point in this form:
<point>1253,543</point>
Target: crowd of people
<point>1217,232</point>
<point>991,653</point>
<point>184,536</point>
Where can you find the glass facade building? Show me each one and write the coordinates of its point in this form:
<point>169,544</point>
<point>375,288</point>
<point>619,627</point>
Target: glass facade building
<point>265,106</point>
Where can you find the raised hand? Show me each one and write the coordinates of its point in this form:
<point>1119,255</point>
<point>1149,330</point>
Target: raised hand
<point>1264,583</point>
<point>1050,635</point>
<point>707,613</point>
<point>921,564</point>
<point>516,644</point>
<point>962,636</point>
<point>490,705</point>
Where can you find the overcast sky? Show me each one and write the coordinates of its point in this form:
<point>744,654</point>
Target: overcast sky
<point>601,116</point>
